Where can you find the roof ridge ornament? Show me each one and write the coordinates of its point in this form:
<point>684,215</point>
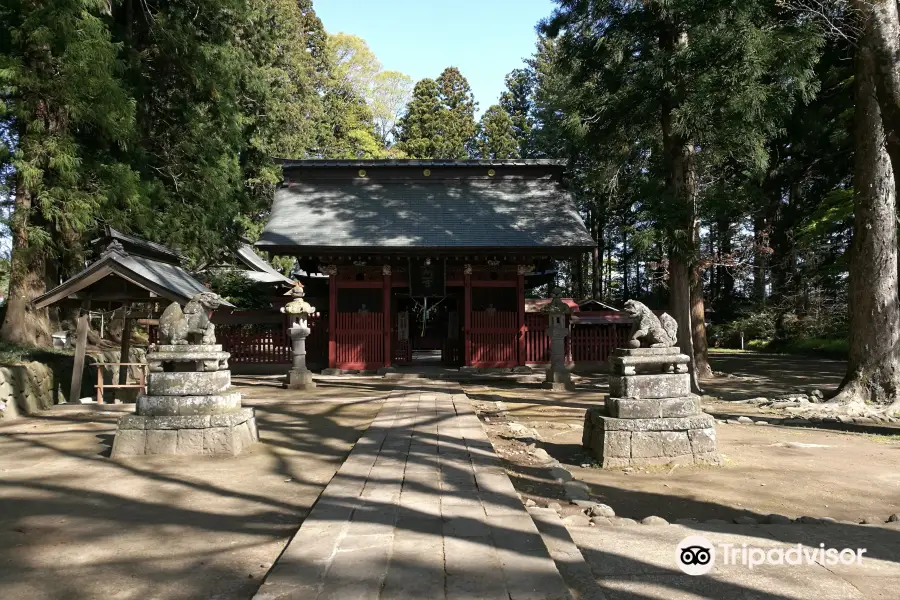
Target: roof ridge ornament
<point>114,247</point>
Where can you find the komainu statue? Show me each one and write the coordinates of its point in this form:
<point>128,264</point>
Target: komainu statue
<point>648,331</point>
<point>192,325</point>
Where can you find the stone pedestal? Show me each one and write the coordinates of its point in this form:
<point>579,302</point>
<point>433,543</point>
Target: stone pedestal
<point>650,418</point>
<point>299,377</point>
<point>188,408</point>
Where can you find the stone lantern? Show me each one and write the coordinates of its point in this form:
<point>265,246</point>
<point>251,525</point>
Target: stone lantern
<point>558,377</point>
<point>299,377</point>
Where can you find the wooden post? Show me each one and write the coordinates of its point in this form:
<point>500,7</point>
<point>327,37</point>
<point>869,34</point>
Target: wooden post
<point>99,383</point>
<point>388,315</point>
<point>125,348</point>
<point>520,299</point>
<point>332,317</point>
<point>467,315</point>
<point>80,347</point>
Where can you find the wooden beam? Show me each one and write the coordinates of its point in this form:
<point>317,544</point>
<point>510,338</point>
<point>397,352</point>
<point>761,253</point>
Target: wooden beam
<point>125,348</point>
<point>467,318</point>
<point>388,315</point>
<point>80,348</point>
<point>332,321</point>
<point>520,300</point>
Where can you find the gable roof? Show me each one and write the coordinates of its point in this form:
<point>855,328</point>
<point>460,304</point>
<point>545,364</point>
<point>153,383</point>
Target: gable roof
<point>327,205</point>
<point>165,280</point>
<point>141,247</point>
<point>258,269</point>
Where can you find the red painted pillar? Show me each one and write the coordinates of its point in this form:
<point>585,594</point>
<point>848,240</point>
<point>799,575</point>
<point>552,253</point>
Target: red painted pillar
<point>388,314</point>
<point>467,316</point>
<point>520,298</point>
<point>332,318</point>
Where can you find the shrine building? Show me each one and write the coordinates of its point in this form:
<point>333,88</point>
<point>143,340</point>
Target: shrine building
<point>403,257</point>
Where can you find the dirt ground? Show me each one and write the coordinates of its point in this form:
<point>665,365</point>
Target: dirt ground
<point>75,524</point>
<point>769,469</point>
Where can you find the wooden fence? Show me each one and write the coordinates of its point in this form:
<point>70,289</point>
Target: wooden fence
<point>359,342</point>
<point>585,344</point>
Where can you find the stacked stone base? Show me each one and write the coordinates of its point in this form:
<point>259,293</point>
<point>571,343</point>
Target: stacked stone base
<point>647,442</point>
<point>651,418</point>
<point>189,409</point>
<point>224,434</point>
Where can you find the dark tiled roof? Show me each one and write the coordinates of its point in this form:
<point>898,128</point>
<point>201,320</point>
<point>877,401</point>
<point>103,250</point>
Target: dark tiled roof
<point>139,246</point>
<point>401,213</point>
<point>260,270</point>
<point>166,280</point>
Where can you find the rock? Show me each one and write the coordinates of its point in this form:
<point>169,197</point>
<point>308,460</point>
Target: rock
<point>577,490</point>
<point>775,519</point>
<point>577,520</point>
<point>560,474</point>
<point>872,521</point>
<point>602,521</point>
<point>828,520</point>
<point>759,400</point>
<point>529,503</point>
<point>745,520</point>
<point>817,394</point>
<point>601,510</point>
<point>555,506</point>
<point>542,456</point>
<point>744,420</point>
<point>894,518</point>
<point>732,421</point>
<point>846,419</point>
<point>760,422</point>
<point>716,522</point>
<point>654,520</point>
<point>585,504</point>
<point>623,521</point>
<point>807,520</point>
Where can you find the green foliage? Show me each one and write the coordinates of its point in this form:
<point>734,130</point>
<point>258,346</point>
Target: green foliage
<point>517,102</point>
<point>440,119</point>
<point>240,291</point>
<point>496,138</point>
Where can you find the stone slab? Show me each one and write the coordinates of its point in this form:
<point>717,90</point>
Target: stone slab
<point>227,440</point>
<point>653,408</point>
<point>187,405</point>
<point>181,348</point>
<point>670,351</point>
<point>188,383</point>
<point>661,385</point>
<point>597,416</point>
<point>644,442</point>
<point>229,419</point>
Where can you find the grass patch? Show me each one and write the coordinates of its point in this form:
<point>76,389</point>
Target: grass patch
<point>830,348</point>
<point>14,354</point>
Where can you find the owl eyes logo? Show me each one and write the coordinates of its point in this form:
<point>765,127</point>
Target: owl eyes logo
<point>695,555</point>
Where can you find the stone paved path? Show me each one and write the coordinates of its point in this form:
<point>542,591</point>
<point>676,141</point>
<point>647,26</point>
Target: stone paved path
<point>421,508</point>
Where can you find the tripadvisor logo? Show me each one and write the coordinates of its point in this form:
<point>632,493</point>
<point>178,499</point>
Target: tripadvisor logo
<point>696,555</point>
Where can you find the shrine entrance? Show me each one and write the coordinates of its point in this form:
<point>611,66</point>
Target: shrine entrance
<point>429,328</point>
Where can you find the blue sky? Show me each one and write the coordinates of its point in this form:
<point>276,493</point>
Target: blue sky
<point>485,39</point>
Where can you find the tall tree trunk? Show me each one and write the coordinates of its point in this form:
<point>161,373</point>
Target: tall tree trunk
<point>881,18</point>
<point>626,294</point>
<point>760,260</point>
<point>873,369</point>
<point>597,263</point>
<point>22,325</point>
<point>685,289</point>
